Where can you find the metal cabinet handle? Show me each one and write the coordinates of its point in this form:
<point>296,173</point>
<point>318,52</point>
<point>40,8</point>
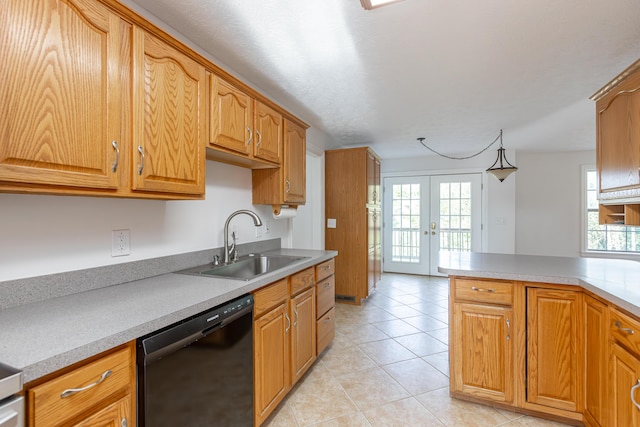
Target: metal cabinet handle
<point>473,288</point>
<point>286,331</point>
<point>259,138</point>
<point>124,423</point>
<point>114,167</point>
<point>508,330</point>
<point>295,311</point>
<point>632,390</point>
<point>141,167</point>
<point>627,330</point>
<point>250,135</point>
<point>71,391</point>
<point>288,184</point>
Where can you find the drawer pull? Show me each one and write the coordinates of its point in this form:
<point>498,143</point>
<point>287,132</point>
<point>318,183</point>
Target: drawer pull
<point>627,330</point>
<point>632,390</point>
<point>71,391</point>
<point>473,288</point>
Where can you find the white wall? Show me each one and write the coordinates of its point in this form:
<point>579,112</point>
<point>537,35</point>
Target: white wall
<point>499,216</point>
<point>548,202</point>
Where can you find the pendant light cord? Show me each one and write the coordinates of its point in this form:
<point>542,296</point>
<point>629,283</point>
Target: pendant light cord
<point>499,137</point>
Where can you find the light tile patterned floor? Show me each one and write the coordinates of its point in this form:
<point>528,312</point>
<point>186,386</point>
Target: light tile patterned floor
<point>388,366</point>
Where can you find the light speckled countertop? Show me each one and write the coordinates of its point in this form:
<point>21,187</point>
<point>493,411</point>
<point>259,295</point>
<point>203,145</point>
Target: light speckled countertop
<point>43,336</point>
<point>617,281</point>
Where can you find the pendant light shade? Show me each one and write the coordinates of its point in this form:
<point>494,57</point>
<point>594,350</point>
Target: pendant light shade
<point>498,169</point>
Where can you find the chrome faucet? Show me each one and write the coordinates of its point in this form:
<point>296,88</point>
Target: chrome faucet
<point>227,250</point>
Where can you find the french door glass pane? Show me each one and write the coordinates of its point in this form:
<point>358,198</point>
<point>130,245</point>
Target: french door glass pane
<point>455,216</point>
<point>406,223</point>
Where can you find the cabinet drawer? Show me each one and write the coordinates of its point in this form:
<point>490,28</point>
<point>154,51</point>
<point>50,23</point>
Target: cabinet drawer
<point>626,330</point>
<point>302,280</point>
<point>325,269</point>
<point>490,291</point>
<point>325,295</point>
<point>266,298</point>
<point>110,374</point>
<point>325,330</point>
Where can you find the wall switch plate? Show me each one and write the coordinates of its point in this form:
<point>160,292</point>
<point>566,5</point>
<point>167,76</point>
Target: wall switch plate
<point>120,242</point>
<point>331,223</point>
<point>267,227</point>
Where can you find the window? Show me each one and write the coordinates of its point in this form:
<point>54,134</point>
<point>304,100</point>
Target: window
<point>605,238</point>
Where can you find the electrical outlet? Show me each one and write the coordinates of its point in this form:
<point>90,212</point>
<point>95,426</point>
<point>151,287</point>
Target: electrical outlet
<point>267,227</point>
<point>120,242</point>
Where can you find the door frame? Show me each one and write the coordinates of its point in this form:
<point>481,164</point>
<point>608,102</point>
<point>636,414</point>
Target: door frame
<point>430,173</point>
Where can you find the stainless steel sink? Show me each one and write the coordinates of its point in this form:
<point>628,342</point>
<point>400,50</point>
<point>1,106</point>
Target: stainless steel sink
<point>246,267</point>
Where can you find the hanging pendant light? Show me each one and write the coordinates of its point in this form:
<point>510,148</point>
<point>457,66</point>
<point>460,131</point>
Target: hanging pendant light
<point>501,172</point>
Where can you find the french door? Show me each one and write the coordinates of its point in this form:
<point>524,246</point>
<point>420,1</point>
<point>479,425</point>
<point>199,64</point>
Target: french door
<point>424,215</point>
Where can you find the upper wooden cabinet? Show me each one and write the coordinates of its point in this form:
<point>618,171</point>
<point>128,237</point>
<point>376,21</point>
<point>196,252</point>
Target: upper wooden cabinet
<point>242,125</point>
<point>618,135</point>
<point>169,111</point>
<point>61,94</point>
<point>285,185</point>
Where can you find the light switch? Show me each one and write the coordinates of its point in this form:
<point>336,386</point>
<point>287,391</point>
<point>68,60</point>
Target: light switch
<point>331,223</point>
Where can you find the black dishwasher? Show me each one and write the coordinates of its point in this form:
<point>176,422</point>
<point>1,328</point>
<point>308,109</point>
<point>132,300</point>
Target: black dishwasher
<point>199,372</point>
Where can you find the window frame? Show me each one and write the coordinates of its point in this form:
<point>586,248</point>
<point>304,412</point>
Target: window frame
<point>584,209</point>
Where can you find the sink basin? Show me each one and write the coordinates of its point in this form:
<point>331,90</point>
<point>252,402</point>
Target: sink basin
<point>246,268</point>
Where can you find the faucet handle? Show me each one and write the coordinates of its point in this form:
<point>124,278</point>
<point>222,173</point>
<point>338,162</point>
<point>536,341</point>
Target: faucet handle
<point>216,260</point>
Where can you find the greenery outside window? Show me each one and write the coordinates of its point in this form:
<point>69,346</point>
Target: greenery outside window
<point>605,238</point>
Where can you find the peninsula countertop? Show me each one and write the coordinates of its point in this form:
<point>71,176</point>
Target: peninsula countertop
<point>617,281</point>
<point>44,336</point>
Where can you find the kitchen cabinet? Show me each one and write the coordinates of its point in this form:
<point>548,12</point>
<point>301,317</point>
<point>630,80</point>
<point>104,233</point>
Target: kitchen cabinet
<point>482,349</point>
<point>618,143</point>
<point>624,369</point>
<point>98,392</point>
<point>285,185</point>
<point>596,339</point>
<point>122,115</point>
<point>325,304</point>
<point>169,109</point>
<point>303,318</point>
<point>272,326</point>
<point>554,348</point>
<point>350,184</point>
<point>243,125</point>
<point>285,336</point>
<point>61,95</point>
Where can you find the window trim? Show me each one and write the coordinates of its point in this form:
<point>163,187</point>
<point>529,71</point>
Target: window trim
<point>584,252</point>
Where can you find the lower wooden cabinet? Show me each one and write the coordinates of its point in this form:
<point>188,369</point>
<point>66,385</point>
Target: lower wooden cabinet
<point>482,352</point>
<point>286,336</point>
<point>554,357</point>
<point>596,339</point>
<point>271,360</point>
<point>303,337</point>
<point>624,389</point>
<point>100,392</point>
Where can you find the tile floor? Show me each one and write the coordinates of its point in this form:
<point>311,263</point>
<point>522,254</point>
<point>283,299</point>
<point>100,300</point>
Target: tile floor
<point>388,366</point>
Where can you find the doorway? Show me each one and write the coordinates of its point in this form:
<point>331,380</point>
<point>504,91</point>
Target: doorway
<point>424,215</point>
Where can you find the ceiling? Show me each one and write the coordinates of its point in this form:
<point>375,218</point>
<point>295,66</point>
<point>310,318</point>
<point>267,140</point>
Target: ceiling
<point>452,71</point>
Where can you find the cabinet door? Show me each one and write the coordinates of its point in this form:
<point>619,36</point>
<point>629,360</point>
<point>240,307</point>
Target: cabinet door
<point>373,224</point>
<point>618,136</point>
<point>303,338</point>
<point>295,160</point>
<point>118,414</point>
<point>596,354</point>
<point>268,133</point>
<point>231,120</point>
<point>554,355</point>
<point>373,179</point>
<point>624,375</point>
<point>482,351</point>
<point>168,131</point>
<point>60,93</point>
<point>272,368</point>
